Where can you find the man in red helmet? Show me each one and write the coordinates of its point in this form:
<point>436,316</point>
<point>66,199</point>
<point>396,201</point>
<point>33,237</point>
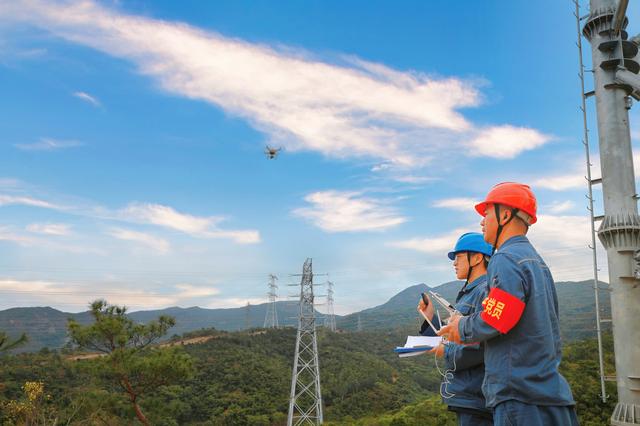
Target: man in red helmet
<point>519,324</point>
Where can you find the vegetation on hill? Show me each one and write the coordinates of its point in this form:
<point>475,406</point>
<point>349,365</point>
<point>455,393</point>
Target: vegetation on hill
<point>244,378</point>
<point>46,327</point>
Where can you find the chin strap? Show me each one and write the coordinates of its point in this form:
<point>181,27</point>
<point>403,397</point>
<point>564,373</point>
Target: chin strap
<point>496,208</point>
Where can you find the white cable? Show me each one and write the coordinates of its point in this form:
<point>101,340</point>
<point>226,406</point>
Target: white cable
<point>447,376</point>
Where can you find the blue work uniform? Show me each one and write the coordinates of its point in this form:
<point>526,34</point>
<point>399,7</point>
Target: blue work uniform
<point>521,365</point>
<point>463,392</point>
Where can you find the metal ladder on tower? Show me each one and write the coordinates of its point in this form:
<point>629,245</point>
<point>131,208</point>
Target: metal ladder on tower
<point>591,182</point>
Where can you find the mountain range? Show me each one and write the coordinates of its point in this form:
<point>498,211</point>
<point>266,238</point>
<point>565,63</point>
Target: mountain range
<point>46,327</point>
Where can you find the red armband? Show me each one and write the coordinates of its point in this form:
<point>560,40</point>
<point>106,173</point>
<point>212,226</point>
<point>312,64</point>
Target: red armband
<point>502,310</point>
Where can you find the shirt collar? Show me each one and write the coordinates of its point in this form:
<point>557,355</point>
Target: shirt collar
<point>513,240</point>
<point>473,284</point>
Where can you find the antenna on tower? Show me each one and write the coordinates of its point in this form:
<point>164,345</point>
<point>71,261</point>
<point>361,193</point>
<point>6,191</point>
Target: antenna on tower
<point>330,318</point>
<point>271,318</point>
<point>305,403</point>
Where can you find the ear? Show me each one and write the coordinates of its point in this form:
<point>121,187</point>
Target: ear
<point>476,259</point>
<point>505,216</point>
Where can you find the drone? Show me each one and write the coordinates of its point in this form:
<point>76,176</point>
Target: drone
<point>271,152</point>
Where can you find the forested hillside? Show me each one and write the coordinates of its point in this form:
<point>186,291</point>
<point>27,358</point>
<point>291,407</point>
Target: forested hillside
<point>46,327</point>
<point>244,379</point>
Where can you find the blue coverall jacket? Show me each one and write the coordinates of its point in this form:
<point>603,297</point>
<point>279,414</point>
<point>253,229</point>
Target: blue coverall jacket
<point>521,364</point>
<point>466,362</point>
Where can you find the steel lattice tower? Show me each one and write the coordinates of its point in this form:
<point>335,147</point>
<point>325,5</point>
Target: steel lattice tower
<point>247,316</point>
<point>305,403</point>
<point>271,318</point>
<point>330,318</point>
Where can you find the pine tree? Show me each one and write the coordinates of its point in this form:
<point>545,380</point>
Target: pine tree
<point>129,359</point>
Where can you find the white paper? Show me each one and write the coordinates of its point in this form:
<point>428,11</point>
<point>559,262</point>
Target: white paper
<point>413,341</point>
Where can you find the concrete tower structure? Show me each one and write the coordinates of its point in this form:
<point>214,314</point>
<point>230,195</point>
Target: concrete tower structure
<point>615,70</point>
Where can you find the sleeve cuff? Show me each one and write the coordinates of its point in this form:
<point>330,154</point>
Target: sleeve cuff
<point>448,354</point>
<point>462,329</point>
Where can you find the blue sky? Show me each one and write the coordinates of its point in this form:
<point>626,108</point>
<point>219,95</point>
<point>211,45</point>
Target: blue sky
<point>132,137</point>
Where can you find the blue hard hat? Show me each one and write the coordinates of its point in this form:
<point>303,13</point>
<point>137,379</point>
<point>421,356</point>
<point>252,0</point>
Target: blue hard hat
<point>471,242</point>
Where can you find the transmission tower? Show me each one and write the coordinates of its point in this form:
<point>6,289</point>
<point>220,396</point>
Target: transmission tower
<point>330,318</point>
<point>359,326</point>
<point>305,403</point>
<point>615,71</point>
<point>271,318</point>
<point>247,312</point>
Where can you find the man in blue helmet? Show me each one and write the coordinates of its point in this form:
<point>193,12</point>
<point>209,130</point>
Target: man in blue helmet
<point>463,392</point>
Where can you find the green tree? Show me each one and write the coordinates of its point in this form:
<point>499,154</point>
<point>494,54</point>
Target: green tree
<point>6,344</point>
<point>128,358</point>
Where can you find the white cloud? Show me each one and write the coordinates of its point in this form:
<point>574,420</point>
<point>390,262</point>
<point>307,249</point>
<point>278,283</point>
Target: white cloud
<point>559,207</point>
<point>144,213</point>
<point>47,144</point>
<point>166,216</point>
<point>562,182</point>
<point>6,200</point>
<point>49,228</point>
<point>563,240</point>
<point>412,179</point>
<point>9,183</point>
<point>203,227</point>
<point>154,243</point>
<point>87,98</point>
<point>441,244</point>
<point>77,296</point>
<point>381,167</point>
<point>461,203</point>
<point>506,141</point>
<point>39,243</point>
<point>336,211</point>
<point>6,234</point>
<point>351,109</point>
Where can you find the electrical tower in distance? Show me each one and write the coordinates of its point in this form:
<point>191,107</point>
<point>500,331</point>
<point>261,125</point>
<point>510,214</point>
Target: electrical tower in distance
<point>305,403</point>
<point>247,314</point>
<point>330,319</point>
<point>271,318</point>
<point>616,81</point>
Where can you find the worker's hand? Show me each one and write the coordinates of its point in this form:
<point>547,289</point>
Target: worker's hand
<point>450,331</point>
<point>438,350</point>
<point>427,311</point>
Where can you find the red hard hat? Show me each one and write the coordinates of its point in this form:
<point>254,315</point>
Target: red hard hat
<point>511,194</point>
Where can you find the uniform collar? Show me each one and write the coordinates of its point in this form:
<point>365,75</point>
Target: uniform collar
<point>473,284</point>
<point>513,240</point>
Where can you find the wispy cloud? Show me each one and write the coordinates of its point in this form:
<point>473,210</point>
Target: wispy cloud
<point>461,203</point>
<point>439,245</point>
<point>10,183</point>
<point>6,200</point>
<point>77,296</point>
<point>20,238</point>
<point>345,108</point>
<point>87,98</point>
<point>562,182</point>
<point>152,242</point>
<point>335,211</point>
<point>142,213</point>
<point>59,229</point>
<point>559,207</point>
<point>48,144</point>
<point>203,227</point>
